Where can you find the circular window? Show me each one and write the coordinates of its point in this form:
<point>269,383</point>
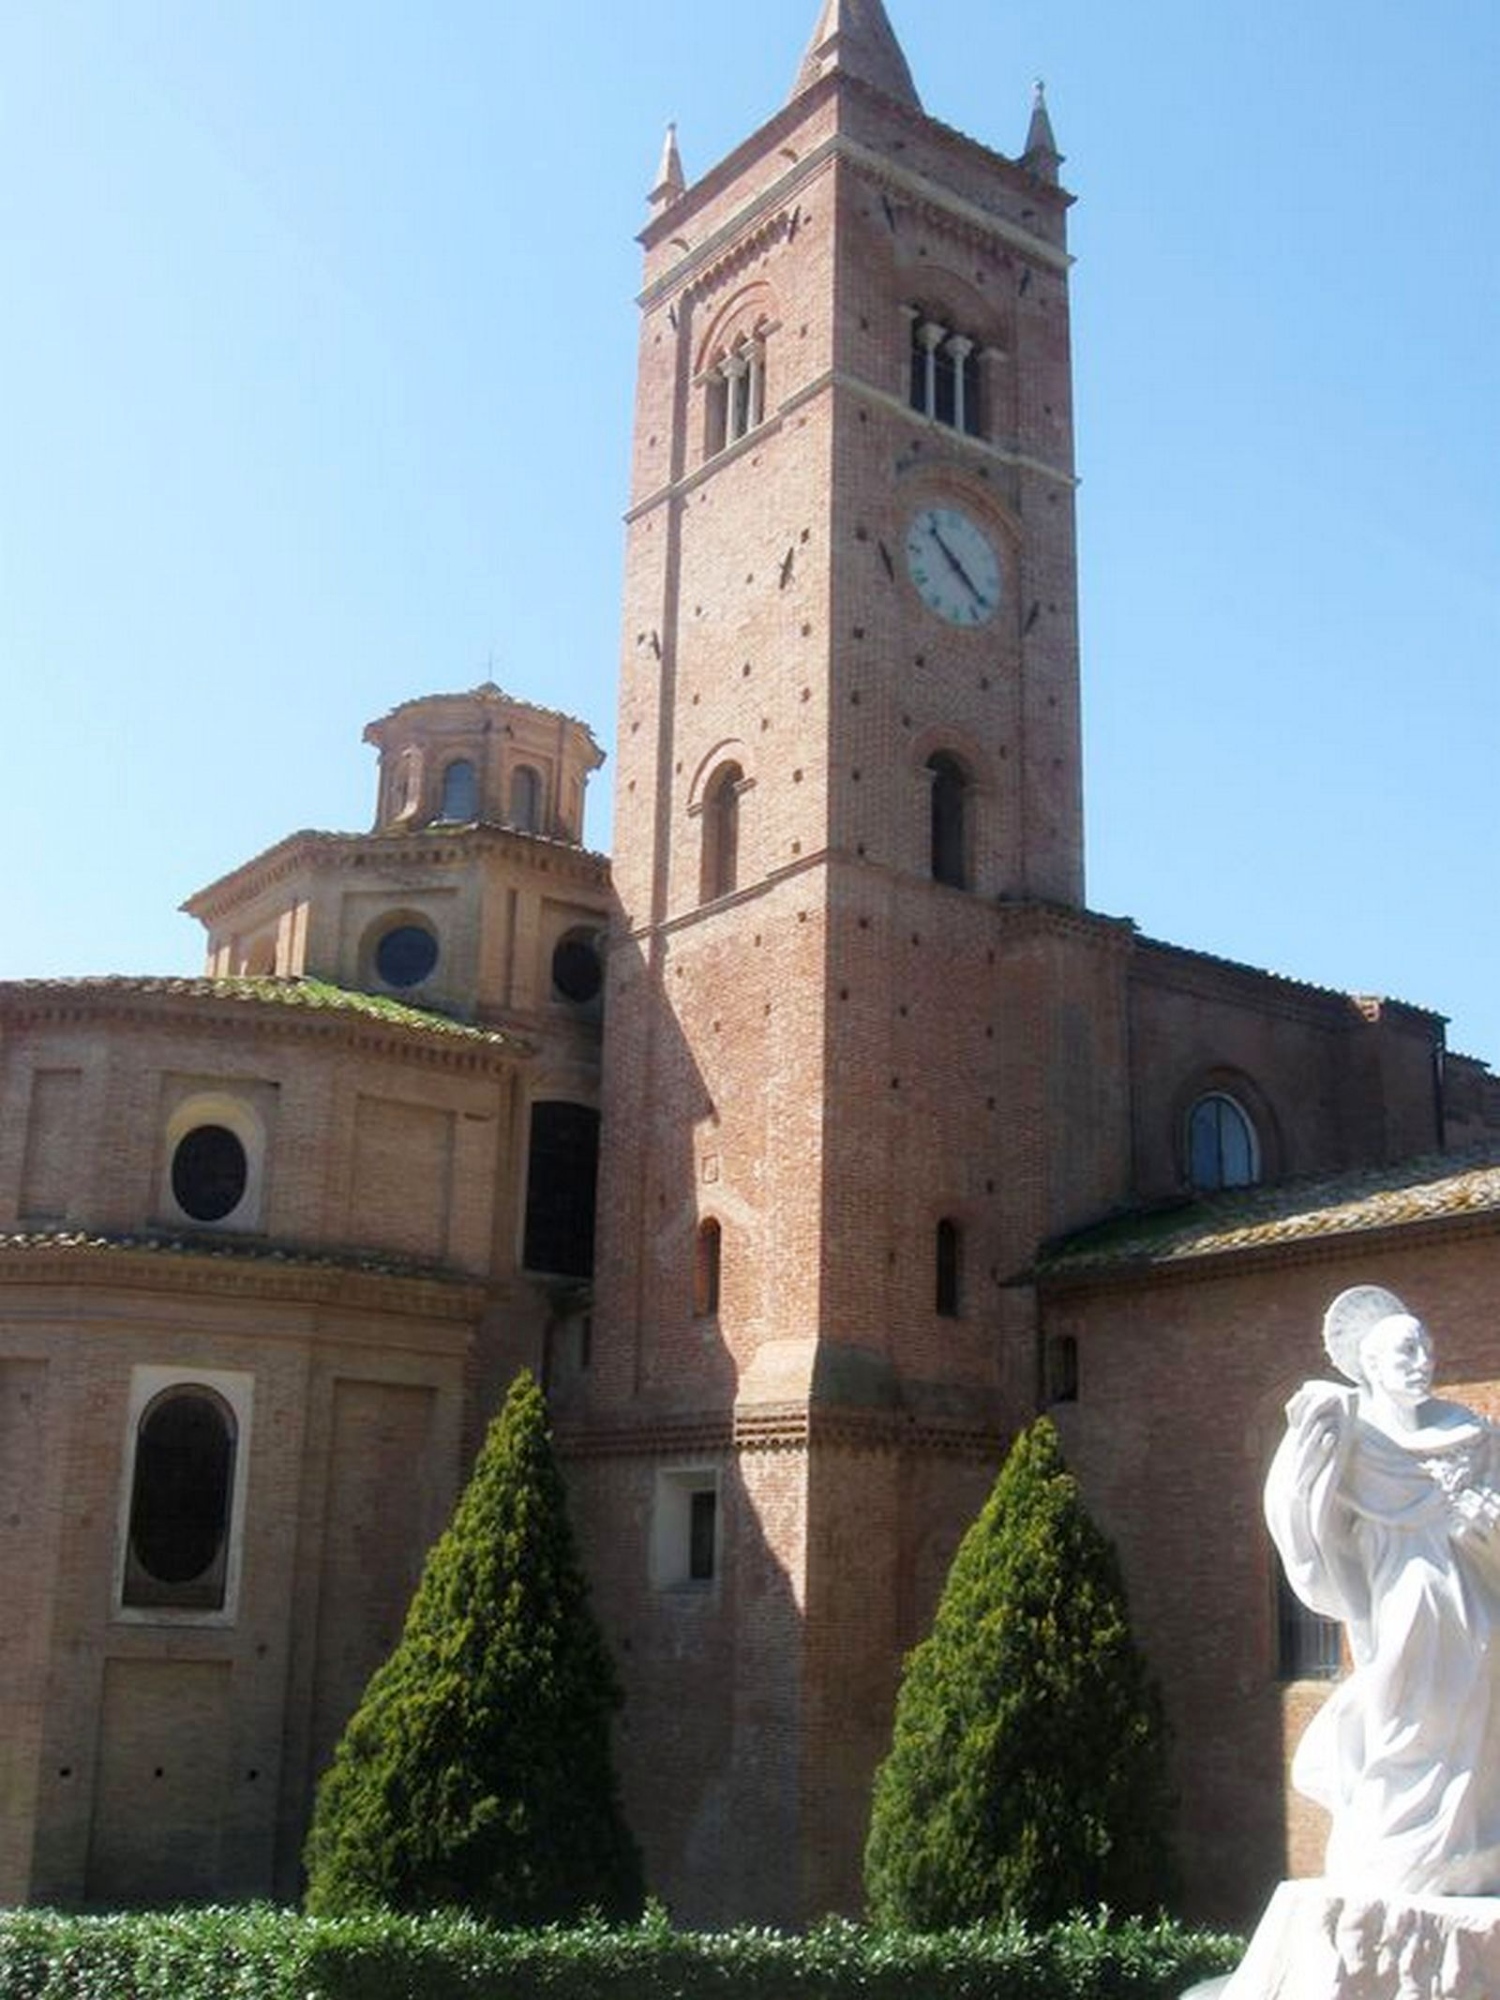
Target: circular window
<point>406,955</point>
<point>210,1173</point>
<point>576,971</point>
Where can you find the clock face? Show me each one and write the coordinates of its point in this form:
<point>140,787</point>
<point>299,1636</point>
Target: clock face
<point>953,564</point>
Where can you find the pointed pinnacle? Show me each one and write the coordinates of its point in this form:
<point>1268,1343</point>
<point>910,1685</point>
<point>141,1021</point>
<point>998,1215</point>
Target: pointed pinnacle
<point>1041,153</point>
<point>855,37</point>
<point>670,180</point>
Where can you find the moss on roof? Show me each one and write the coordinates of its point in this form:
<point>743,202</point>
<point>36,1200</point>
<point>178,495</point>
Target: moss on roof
<point>312,995</point>
<point>235,1248</point>
<point>1434,1188</point>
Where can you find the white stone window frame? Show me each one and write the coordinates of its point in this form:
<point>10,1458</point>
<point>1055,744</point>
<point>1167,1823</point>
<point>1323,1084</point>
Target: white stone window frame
<point>672,1529</point>
<point>236,1115</point>
<point>148,1381</point>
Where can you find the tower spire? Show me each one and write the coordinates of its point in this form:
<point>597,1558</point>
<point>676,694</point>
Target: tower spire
<point>1041,153</point>
<point>670,179</point>
<point>855,37</point>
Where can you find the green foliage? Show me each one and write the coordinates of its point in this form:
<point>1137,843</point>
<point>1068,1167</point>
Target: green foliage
<point>1027,1775</point>
<point>263,1954</point>
<point>476,1773</point>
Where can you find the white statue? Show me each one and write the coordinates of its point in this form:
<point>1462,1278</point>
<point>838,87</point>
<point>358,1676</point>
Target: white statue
<point>1384,1501</point>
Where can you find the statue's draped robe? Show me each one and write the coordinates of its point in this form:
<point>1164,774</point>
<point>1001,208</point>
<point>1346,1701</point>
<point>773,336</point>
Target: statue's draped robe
<point>1401,1542</point>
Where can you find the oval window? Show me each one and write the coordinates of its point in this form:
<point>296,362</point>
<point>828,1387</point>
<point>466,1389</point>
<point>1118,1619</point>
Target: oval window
<point>179,1501</point>
<point>210,1173</point>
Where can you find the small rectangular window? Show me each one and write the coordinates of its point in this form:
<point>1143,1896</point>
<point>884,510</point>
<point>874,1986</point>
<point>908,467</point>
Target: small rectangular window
<point>1062,1369</point>
<point>685,1551</point>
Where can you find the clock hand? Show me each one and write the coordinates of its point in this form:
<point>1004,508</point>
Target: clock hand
<point>957,568</point>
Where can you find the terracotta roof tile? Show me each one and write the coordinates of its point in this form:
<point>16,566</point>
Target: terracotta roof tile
<point>239,1249</point>
<point>312,995</point>
<point>1437,1187</point>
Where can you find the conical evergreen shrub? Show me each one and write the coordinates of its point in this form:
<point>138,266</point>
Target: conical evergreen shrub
<point>1027,1775</point>
<point>476,1772</point>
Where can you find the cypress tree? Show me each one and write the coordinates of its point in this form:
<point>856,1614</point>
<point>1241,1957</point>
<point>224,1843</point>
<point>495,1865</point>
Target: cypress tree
<point>1027,1775</point>
<point>476,1772</point>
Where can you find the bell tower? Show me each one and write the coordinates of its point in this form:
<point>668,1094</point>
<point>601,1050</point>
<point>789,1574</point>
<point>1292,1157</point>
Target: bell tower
<point>852,993</point>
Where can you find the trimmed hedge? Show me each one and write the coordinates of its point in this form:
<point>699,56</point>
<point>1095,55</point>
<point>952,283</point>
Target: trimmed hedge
<point>269,1954</point>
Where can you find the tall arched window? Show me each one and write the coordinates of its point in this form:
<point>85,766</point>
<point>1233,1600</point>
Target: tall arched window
<point>178,1543</point>
<point>707,1254</point>
<point>526,799</point>
<point>949,832</point>
<point>460,792</point>
<point>721,833</point>
<point>1222,1148</point>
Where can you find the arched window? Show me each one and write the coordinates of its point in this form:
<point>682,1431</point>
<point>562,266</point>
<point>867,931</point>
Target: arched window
<point>460,792</point>
<point>526,799</point>
<point>1223,1151</point>
<point>949,831</point>
<point>947,1261</point>
<point>706,1262</point>
<point>721,833</point>
<point>178,1538</point>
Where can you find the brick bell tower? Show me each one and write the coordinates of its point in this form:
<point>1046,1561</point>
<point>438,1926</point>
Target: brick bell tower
<point>863,1045</point>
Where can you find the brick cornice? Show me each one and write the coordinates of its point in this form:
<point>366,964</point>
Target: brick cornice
<point>953,211</point>
<point>791,1427</point>
<point>422,847</point>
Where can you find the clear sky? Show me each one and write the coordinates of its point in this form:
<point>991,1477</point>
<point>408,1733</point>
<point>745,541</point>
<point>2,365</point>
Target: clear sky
<point>315,384</point>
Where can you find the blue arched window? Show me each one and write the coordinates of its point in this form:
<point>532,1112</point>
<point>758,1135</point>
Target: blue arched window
<point>1223,1151</point>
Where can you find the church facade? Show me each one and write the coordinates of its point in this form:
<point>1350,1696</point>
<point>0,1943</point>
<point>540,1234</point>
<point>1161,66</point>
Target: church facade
<point>807,1147</point>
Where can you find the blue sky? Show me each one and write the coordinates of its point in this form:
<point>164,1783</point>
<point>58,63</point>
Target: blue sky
<point>315,385</point>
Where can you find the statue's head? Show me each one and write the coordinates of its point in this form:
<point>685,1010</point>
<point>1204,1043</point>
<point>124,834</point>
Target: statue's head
<point>1351,1318</point>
